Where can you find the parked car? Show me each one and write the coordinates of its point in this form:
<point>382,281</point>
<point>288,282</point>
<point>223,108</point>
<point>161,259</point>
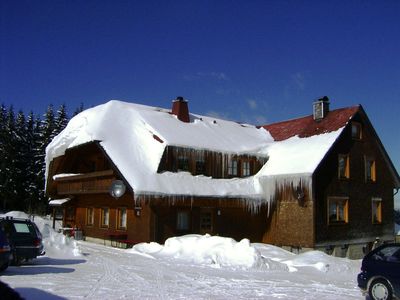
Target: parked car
<point>5,251</point>
<point>380,272</point>
<point>24,237</point>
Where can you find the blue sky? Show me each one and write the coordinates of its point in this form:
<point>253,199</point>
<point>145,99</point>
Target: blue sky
<point>251,61</point>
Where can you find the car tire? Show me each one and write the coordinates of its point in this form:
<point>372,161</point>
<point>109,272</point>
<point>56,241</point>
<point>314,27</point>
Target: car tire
<point>380,289</point>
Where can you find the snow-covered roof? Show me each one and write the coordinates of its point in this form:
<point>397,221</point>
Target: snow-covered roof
<point>134,136</point>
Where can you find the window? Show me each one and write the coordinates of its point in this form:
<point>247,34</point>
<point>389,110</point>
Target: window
<point>356,132</point>
<point>90,216</point>
<point>344,166</point>
<point>182,220</point>
<point>183,162</point>
<point>200,162</point>
<point>245,168</point>
<point>105,217</point>
<point>232,167</point>
<point>121,218</point>
<point>206,222</point>
<point>376,210</point>
<point>338,210</point>
<point>370,172</point>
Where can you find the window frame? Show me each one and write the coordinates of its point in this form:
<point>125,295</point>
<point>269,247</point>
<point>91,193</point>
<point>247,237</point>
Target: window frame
<point>122,222</point>
<point>89,216</point>
<point>233,167</point>
<point>200,164</point>
<point>104,216</point>
<point>246,168</point>
<point>376,210</point>
<point>342,205</point>
<point>370,169</point>
<point>179,224</point>
<point>356,131</point>
<point>346,170</point>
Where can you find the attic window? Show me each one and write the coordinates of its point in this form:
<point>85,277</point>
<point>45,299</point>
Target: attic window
<point>344,166</point>
<point>356,132</point>
<point>370,169</point>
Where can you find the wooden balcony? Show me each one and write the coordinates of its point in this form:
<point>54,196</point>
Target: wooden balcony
<point>89,183</point>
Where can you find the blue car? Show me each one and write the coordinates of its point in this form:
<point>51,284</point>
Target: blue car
<point>24,237</point>
<point>5,251</point>
<point>380,272</point>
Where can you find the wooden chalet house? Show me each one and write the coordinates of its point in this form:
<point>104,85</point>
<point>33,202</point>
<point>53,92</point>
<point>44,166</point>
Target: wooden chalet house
<point>323,181</point>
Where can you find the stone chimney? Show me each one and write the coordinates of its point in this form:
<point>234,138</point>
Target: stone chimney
<point>321,108</point>
<point>180,109</point>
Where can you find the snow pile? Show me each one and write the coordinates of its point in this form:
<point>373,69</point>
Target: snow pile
<point>53,241</point>
<point>205,250</point>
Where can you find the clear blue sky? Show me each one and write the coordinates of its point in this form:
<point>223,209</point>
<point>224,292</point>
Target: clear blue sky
<point>252,61</point>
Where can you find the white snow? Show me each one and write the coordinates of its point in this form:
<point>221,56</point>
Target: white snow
<point>127,133</point>
<point>188,267</point>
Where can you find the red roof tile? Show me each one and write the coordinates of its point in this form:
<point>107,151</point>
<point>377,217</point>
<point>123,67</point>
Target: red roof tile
<point>306,126</point>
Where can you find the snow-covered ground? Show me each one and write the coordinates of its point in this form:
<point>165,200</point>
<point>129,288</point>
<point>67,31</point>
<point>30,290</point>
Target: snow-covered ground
<point>189,267</point>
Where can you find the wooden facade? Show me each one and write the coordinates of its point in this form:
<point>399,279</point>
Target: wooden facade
<point>351,200</point>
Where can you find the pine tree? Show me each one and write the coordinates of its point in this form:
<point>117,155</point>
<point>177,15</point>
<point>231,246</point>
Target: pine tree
<point>46,129</point>
<point>8,161</point>
<point>61,120</point>
<point>34,166</point>
<point>3,155</point>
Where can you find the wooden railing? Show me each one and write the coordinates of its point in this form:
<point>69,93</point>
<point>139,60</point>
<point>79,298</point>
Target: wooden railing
<point>89,183</point>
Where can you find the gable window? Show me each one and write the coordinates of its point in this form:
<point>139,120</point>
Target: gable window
<point>121,218</point>
<point>200,163</point>
<point>90,216</point>
<point>370,171</point>
<point>338,210</point>
<point>232,167</point>
<point>344,166</point>
<point>105,217</point>
<point>356,132</point>
<point>376,210</point>
<point>182,220</point>
<point>245,168</point>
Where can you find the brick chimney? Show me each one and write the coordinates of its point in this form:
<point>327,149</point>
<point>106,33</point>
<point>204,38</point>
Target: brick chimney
<point>320,108</point>
<point>180,109</point>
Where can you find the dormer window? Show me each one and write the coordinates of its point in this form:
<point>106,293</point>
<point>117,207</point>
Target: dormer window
<point>356,132</point>
<point>200,163</point>
<point>245,168</point>
<point>183,162</point>
<point>232,167</point>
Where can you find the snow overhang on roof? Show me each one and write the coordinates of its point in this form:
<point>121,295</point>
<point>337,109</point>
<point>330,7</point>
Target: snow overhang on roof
<point>59,202</point>
<point>127,133</point>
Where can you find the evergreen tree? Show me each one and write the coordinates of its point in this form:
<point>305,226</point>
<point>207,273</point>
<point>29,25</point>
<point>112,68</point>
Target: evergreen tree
<point>3,155</point>
<point>8,162</point>
<point>23,142</point>
<point>34,166</point>
<point>61,120</point>
<point>46,133</point>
